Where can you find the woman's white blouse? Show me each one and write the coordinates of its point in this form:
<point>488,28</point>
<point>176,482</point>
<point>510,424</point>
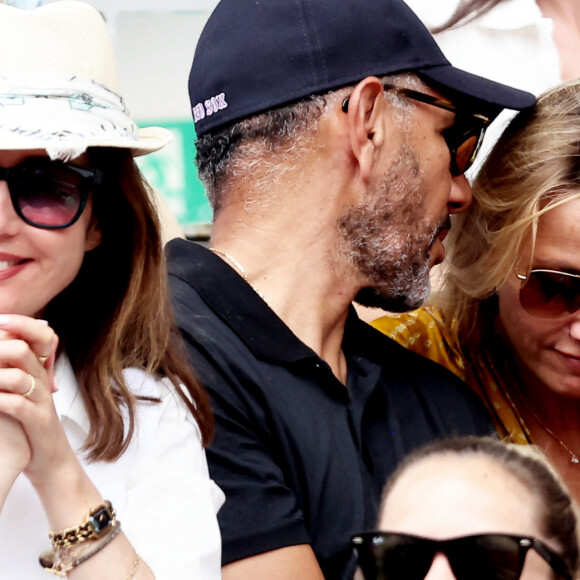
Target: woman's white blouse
<point>160,489</point>
<point>511,44</point>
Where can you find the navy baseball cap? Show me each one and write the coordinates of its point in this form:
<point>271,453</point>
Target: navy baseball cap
<point>256,55</point>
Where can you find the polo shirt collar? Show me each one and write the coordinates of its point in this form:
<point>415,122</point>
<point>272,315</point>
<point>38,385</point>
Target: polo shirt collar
<point>235,302</point>
<point>67,399</point>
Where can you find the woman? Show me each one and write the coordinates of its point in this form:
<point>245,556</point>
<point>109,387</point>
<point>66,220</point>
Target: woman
<point>101,420</point>
<point>529,44</point>
<point>508,318</point>
<point>473,509</point>
<point>532,44</point>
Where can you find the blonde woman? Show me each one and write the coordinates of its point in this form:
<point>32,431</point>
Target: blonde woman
<point>102,424</point>
<point>508,318</point>
<point>473,509</point>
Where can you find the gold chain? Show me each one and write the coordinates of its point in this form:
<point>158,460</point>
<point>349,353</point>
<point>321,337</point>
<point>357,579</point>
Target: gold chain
<point>509,375</point>
<point>241,270</point>
<point>573,456</point>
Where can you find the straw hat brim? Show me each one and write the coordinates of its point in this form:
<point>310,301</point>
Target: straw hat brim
<point>59,87</point>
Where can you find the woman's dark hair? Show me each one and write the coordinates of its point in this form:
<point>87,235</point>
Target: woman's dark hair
<point>117,314</point>
<point>466,11</point>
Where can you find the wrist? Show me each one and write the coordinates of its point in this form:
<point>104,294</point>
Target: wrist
<point>67,496</point>
<point>97,523</point>
<point>75,545</point>
<point>8,476</point>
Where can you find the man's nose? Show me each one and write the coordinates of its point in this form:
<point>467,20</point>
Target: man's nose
<point>460,196</point>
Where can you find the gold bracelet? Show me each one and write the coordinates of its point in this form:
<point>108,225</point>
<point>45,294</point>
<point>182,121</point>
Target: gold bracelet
<point>63,561</point>
<point>134,569</point>
<point>98,522</point>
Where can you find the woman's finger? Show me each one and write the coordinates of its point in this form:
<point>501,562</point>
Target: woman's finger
<point>16,353</point>
<point>31,388</point>
<point>41,339</point>
<point>18,382</point>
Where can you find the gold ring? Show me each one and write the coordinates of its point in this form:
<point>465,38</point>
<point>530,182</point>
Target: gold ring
<point>32,386</point>
<point>42,359</point>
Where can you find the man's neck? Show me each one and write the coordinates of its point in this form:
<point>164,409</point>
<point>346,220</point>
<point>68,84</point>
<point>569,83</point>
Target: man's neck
<point>291,268</point>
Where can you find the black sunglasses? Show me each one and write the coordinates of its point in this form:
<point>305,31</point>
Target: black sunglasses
<point>463,138</point>
<point>391,556</point>
<point>50,194</point>
<point>549,293</point>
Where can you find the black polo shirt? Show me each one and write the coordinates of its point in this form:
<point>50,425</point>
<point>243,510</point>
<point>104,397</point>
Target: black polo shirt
<point>301,458</point>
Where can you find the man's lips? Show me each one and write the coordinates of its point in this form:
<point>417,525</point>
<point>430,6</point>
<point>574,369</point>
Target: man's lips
<point>442,230</point>
<point>441,235</point>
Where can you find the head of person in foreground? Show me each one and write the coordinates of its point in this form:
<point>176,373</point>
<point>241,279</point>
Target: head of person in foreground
<point>473,508</point>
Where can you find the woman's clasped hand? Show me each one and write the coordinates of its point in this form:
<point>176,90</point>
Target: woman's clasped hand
<point>31,434</point>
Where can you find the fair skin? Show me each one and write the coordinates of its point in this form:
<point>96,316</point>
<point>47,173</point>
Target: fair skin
<point>281,249</point>
<point>445,496</point>
<point>35,266</point>
<point>566,17</point>
<point>547,351</point>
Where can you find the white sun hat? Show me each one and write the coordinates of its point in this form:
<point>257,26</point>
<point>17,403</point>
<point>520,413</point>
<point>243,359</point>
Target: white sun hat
<point>59,87</point>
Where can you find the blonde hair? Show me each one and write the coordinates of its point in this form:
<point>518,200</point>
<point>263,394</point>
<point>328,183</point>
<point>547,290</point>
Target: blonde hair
<point>558,514</point>
<point>534,168</point>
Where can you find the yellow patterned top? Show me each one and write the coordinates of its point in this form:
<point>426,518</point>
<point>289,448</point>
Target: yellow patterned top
<point>424,331</point>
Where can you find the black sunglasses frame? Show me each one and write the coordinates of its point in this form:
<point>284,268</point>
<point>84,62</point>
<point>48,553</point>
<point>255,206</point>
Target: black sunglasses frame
<point>524,279</point>
<point>477,124</point>
<point>89,179</point>
<point>363,544</point>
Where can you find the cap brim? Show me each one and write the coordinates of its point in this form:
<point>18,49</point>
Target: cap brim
<point>490,93</point>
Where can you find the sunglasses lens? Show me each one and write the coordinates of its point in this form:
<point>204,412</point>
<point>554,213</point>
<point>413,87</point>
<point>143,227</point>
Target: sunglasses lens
<point>392,556</point>
<point>395,557</point>
<point>550,294</point>
<point>464,155</point>
<point>486,557</point>
<point>48,193</point>
<point>463,140</point>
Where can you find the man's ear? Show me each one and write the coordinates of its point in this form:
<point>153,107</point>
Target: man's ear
<point>365,108</point>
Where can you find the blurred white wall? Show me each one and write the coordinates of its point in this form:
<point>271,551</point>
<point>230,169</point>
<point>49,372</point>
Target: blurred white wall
<point>155,42</point>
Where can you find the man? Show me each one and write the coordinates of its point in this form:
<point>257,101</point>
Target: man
<point>328,182</point>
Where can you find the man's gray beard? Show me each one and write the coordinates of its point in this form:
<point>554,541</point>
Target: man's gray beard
<point>388,238</point>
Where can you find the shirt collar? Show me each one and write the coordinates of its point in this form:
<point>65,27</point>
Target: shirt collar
<point>67,399</point>
<point>234,301</point>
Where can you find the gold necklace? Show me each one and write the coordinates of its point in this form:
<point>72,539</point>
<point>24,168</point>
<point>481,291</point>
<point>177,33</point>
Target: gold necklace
<point>241,270</point>
<point>509,375</point>
<point>573,456</point>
